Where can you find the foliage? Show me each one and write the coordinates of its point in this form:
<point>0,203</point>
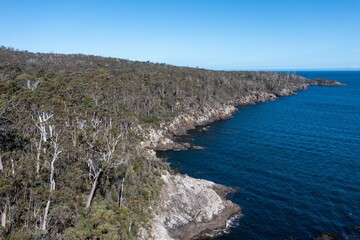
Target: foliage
<point>68,126</point>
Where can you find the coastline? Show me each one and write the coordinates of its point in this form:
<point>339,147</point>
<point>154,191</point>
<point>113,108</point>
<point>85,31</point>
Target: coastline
<point>108,117</point>
<point>192,208</point>
<point>164,138</point>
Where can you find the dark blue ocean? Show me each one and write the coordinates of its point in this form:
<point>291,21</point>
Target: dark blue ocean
<point>295,162</point>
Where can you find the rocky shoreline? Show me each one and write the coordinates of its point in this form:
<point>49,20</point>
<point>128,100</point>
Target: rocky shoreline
<point>191,208</point>
<point>162,139</point>
<point>96,136</point>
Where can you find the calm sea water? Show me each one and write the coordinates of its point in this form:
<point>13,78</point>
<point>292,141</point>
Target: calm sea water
<point>295,162</point>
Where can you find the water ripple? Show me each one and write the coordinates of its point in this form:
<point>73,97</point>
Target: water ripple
<point>295,162</point>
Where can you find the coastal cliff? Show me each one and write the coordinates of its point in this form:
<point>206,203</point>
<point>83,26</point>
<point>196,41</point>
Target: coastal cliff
<point>193,207</point>
<point>163,139</point>
<point>79,135</point>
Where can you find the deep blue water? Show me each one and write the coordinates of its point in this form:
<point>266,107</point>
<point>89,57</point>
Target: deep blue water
<point>295,162</point>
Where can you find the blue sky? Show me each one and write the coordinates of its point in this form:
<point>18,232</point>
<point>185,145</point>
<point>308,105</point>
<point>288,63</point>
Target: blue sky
<point>221,34</point>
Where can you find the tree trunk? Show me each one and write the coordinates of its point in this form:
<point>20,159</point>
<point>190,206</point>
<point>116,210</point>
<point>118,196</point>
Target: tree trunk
<point>38,157</point>
<point>1,164</point>
<point>121,192</point>
<point>43,227</point>
<point>52,180</point>
<point>91,195</point>
<point>12,167</point>
<point>3,218</point>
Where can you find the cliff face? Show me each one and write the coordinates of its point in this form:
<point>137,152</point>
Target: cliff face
<point>86,127</point>
<point>162,139</point>
<point>191,207</point>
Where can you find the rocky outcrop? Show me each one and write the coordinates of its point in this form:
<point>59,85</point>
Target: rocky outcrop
<point>184,122</point>
<point>258,97</point>
<point>291,90</point>
<point>255,97</point>
<point>329,236</point>
<point>191,207</point>
<point>162,139</point>
<point>325,82</point>
<point>348,233</point>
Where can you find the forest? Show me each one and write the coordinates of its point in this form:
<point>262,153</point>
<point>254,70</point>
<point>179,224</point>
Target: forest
<point>71,162</point>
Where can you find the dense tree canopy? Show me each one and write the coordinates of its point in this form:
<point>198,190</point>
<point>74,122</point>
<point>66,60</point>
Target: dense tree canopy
<point>70,162</point>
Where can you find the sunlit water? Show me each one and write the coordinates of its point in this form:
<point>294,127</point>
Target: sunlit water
<point>295,162</point>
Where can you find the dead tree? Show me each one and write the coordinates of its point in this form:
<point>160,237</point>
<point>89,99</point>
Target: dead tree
<point>94,166</point>
<point>51,135</point>
<point>121,192</point>
<point>3,217</point>
<point>1,164</point>
<point>44,131</point>
<point>94,173</point>
<point>32,85</point>
<point>101,153</point>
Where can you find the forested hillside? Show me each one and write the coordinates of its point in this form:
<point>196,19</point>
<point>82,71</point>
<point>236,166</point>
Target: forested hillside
<point>71,162</point>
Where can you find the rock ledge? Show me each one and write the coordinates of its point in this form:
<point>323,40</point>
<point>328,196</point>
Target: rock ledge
<point>191,208</point>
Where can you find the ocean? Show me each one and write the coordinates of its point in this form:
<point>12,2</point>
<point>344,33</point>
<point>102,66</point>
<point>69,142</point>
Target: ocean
<point>295,162</point>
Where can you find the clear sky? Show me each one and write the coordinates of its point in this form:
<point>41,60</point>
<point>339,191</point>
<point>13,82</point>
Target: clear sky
<point>216,34</point>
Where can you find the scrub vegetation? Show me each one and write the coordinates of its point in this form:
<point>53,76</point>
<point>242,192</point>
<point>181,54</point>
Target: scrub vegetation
<point>71,162</point>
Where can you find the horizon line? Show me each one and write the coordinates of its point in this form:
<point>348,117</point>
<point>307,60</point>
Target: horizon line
<point>290,69</point>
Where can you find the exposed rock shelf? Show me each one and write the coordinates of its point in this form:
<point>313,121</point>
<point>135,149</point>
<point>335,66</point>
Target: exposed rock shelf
<point>191,207</point>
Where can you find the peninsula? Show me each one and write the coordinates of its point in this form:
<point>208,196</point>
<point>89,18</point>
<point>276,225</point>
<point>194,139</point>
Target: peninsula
<point>78,142</point>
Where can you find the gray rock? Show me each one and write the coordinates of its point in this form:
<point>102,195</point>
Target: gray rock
<point>191,207</point>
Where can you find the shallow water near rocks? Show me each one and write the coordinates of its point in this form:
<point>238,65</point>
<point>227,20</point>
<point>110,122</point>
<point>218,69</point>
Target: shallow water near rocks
<point>295,162</point>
